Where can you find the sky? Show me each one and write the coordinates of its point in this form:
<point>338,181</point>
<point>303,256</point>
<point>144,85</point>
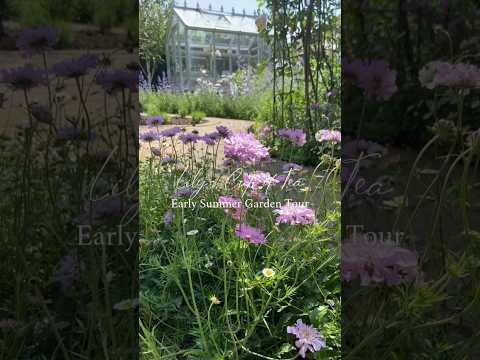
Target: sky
<point>239,5</point>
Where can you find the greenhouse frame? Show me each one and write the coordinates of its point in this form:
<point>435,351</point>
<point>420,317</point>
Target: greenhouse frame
<point>211,44</point>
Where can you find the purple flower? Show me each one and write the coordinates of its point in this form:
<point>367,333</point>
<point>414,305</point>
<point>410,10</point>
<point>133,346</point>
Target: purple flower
<point>118,80</point>
<point>258,180</point>
<point>329,136</point>
<point>224,131</point>
<point>167,160</point>
<point>171,132</point>
<point>23,78</point>
<point>68,269</point>
<point>75,68</point>
<point>38,40</point>
<point>208,140</point>
<point>291,167</point>
<point>294,214</point>
<point>149,136</point>
<point>378,80</point>
<point>308,338</point>
<point>75,134</point>
<point>250,234</point>
<point>245,147</point>
<point>377,262</point>
<point>189,138</point>
<point>184,191</point>
<point>296,137</point>
<point>232,206</point>
<point>461,75</point>
<point>41,113</point>
<point>154,121</point>
<point>316,106</point>
<point>168,218</point>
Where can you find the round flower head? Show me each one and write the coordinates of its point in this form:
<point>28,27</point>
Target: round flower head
<point>232,206</point>
<point>268,272</point>
<point>294,214</point>
<point>118,80</point>
<point>38,40</point>
<point>149,136</point>
<point>377,262</point>
<point>245,147</point>
<point>250,234</point>
<point>378,80</point>
<point>296,137</point>
<point>258,179</point>
<point>224,131</point>
<point>189,138</point>
<point>332,136</point>
<point>75,134</point>
<point>75,68</point>
<point>154,121</point>
<point>308,338</point>
<point>24,77</point>
<point>171,132</point>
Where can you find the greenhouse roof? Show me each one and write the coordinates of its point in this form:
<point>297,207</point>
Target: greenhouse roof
<point>216,20</point>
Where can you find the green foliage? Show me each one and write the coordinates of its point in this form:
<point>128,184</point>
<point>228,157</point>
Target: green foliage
<point>197,117</point>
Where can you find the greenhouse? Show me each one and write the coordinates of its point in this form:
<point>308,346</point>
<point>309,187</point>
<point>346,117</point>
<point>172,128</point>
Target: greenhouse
<point>210,44</point>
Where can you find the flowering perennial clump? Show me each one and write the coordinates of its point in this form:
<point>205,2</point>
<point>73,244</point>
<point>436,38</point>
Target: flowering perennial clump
<point>332,136</point>
<point>444,74</point>
<point>258,180</point>
<point>232,206</point>
<point>377,263</point>
<point>308,338</point>
<point>245,147</point>
<point>296,137</point>
<point>250,234</point>
<point>294,214</point>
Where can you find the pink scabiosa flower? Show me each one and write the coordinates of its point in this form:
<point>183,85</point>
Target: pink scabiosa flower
<point>33,41</point>
<point>296,137</point>
<point>332,136</point>
<point>295,214</point>
<point>378,80</point>
<point>258,180</point>
<point>232,206</point>
<point>308,338</point>
<point>245,147</point>
<point>250,234</point>
<point>460,76</point>
<point>377,262</point>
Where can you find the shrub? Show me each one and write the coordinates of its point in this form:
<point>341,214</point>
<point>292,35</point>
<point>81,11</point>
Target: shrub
<point>197,117</point>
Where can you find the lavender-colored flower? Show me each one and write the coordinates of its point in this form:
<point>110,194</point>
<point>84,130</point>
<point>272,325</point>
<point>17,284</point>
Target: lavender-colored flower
<point>308,338</point>
<point>258,180</point>
<point>296,137</point>
<point>461,75</point>
<point>249,233</point>
<point>189,138</point>
<point>75,68</point>
<point>184,191</point>
<point>224,131</point>
<point>171,132</point>
<point>75,134</point>
<point>149,136</point>
<point>207,140</point>
<point>118,80</point>
<point>378,80</point>
<point>326,135</point>
<point>24,77</point>
<point>377,262</point>
<point>245,147</point>
<point>68,269</point>
<point>232,206</point>
<point>291,167</point>
<point>154,121</point>
<point>294,214</point>
<point>168,217</point>
<point>281,178</point>
<point>316,106</point>
<point>38,40</point>
<point>168,160</point>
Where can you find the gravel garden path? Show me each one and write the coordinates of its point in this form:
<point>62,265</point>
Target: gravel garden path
<point>207,127</point>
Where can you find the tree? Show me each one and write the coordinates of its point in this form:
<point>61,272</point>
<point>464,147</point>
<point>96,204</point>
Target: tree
<point>153,22</point>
